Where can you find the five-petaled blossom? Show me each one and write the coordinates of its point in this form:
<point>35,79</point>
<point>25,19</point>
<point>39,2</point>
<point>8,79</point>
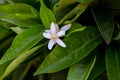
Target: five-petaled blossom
<point>54,33</point>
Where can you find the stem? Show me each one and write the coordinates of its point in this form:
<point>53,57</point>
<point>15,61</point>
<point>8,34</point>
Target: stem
<point>81,6</point>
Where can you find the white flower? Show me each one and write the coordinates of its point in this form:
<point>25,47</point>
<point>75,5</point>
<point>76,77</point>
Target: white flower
<point>54,33</point>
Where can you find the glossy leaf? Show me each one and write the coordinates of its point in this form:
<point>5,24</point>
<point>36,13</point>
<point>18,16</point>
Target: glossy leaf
<point>41,53</point>
<point>3,67</point>
<point>16,62</point>
<point>17,8</point>
<point>18,29</point>
<point>113,62</point>
<point>46,15</point>
<point>99,66</point>
<point>82,69</point>
<point>23,41</point>
<point>33,3</point>
<point>75,28</point>
<point>105,23</point>
<point>19,14</point>
<point>79,45</point>
<point>22,20</point>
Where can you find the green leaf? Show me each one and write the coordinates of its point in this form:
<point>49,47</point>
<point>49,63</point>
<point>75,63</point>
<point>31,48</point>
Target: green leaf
<point>21,72</point>
<point>23,41</point>
<point>17,8</point>
<point>6,37</point>
<point>19,14</point>
<point>77,11</point>
<point>63,4</point>
<point>33,3</point>
<point>16,62</point>
<point>105,23</point>
<point>3,67</point>
<point>41,53</point>
<point>99,66</point>
<point>59,14</point>
<point>75,28</point>
<point>118,36</point>
<point>18,29</point>
<point>113,62</point>
<point>82,69</point>
<point>5,44</point>
<point>3,32</point>
<point>63,10</point>
<point>46,15</point>
<point>79,45</point>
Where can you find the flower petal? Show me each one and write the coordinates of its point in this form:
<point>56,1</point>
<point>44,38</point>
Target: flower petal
<point>57,28</point>
<point>51,44</point>
<point>53,28</point>
<point>60,42</point>
<point>47,35</point>
<point>61,33</point>
<point>48,31</point>
<point>66,27</point>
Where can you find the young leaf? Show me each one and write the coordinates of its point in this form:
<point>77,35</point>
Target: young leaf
<point>46,15</point>
<point>82,69</point>
<point>23,41</point>
<point>113,62</point>
<point>105,24</point>
<point>79,45</point>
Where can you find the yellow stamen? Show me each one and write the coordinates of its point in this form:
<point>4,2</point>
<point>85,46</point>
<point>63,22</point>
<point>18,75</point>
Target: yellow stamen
<point>54,37</point>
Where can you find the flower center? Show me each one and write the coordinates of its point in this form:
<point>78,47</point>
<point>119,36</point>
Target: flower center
<point>54,37</point>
